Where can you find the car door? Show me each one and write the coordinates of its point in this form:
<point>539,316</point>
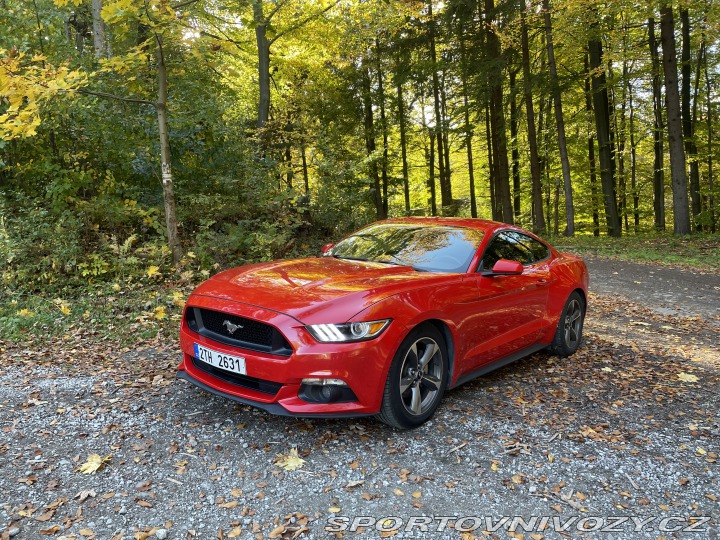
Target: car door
<point>511,312</point>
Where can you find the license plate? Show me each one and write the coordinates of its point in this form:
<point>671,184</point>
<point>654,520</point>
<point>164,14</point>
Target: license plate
<point>236,364</point>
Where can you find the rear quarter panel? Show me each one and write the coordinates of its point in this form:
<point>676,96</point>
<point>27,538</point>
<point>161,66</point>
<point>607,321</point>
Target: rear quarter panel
<point>569,273</point>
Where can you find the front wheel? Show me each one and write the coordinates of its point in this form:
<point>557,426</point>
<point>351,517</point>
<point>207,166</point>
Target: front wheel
<point>569,329</point>
<point>416,380</point>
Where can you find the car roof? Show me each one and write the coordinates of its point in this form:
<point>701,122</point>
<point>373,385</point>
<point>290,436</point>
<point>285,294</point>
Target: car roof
<point>485,225</point>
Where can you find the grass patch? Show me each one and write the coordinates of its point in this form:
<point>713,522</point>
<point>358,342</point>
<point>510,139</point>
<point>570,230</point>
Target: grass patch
<point>698,251</point>
<point>121,313</point>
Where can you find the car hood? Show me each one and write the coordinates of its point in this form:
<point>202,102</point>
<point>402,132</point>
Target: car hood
<point>317,290</point>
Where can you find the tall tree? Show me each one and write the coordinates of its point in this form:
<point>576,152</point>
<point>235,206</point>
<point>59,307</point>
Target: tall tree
<point>503,204</point>
<point>537,206</point>
<point>560,123</point>
<point>658,163</point>
<point>681,215</point>
<point>99,39</point>
<point>687,119</point>
<point>601,108</point>
<point>444,175</point>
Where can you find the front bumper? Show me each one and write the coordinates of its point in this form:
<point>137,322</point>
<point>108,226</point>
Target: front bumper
<point>274,382</point>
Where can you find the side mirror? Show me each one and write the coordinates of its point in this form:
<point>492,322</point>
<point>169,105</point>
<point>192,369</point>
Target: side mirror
<point>327,247</point>
<point>505,267</point>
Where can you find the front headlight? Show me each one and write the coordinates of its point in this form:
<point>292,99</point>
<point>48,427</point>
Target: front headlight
<point>348,332</point>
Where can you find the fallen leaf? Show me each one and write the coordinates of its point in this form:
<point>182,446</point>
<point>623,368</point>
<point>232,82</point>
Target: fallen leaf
<point>277,531</point>
<point>291,461</point>
<point>46,516</point>
<point>687,377</point>
<point>93,463</point>
<point>234,533</point>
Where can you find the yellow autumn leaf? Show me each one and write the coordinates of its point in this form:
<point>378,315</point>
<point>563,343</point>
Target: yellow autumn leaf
<point>152,271</point>
<point>291,461</point>
<point>63,306</point>
<point>398,492</point>
<point>178,299</point>
<point>25,313</point>
<point>159,313</point>
<point>94,463</point>
<point>687,377</point>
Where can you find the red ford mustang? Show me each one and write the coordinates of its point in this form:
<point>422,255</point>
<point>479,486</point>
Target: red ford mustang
<point>387,320</point>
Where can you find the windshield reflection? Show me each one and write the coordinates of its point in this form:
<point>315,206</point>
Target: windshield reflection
<point>425,248</point>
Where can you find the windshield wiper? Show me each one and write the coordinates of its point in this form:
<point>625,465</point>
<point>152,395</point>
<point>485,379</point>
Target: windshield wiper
<point>364,259</point>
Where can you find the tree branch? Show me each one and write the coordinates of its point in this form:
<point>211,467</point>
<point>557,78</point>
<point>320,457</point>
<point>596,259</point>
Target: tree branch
<point>113,96</point>
<point>183,4</point>
<point>304,21</point>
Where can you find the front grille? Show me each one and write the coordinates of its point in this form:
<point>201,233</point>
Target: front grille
<point>248,330</point>
<point>259,385</point>
<point>247,333</point>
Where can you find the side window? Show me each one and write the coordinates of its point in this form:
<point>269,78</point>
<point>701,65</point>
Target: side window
<point>514,246</point>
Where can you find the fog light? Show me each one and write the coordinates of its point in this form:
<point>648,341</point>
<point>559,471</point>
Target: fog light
<point>325,391</point>
<point>324,382</point>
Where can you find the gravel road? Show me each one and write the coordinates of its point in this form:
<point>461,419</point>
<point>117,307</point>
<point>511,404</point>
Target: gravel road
<point>627,429</point>
<point>669,291</point>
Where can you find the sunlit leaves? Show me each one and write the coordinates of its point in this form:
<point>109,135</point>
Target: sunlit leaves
<point>26,84</point>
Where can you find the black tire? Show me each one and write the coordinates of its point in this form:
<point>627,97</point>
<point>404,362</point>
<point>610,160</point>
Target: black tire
<point>412,394</point>
<point>569,329</point>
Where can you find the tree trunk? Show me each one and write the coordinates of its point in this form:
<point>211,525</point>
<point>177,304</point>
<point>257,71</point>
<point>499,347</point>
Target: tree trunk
<point>403,145</point>
<point>289,173</point>
<point>591,155</point>
<point>263,47</point>
<point>383,126</point>
<point>446,149</point>
<point>503,203</point>
<point>538,216</point>
<point>633,163</point>
<point>620,121</point>
<point>468,127</point>
<point>515,155</point>
<point>306,179</point>
<point>560,123</point>
<point>492,173</point>
<point>165,157</point>
<point>687,120</point>
<point>445,197</point>
<point>658,163</point>
<point>601,108</point>
<point>681,215</point>
<point>370,142</point>
<point>710,142</point>
<point>98,29</point>
<point>430,158</point>
<point>431,177</point>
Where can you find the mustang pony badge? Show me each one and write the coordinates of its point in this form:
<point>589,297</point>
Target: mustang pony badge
<point>231,328</point>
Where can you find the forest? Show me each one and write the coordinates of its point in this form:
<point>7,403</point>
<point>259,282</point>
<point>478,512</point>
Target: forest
<point>142,135</point>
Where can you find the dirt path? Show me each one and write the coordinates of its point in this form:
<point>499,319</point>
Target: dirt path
<point>669,291</point>
<point>624,435</point>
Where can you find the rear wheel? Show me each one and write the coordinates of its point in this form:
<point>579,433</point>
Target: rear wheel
<point>416,380</point>
<point>569,329</point>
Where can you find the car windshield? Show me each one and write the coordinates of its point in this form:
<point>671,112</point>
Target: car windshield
<point>436,248</point>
